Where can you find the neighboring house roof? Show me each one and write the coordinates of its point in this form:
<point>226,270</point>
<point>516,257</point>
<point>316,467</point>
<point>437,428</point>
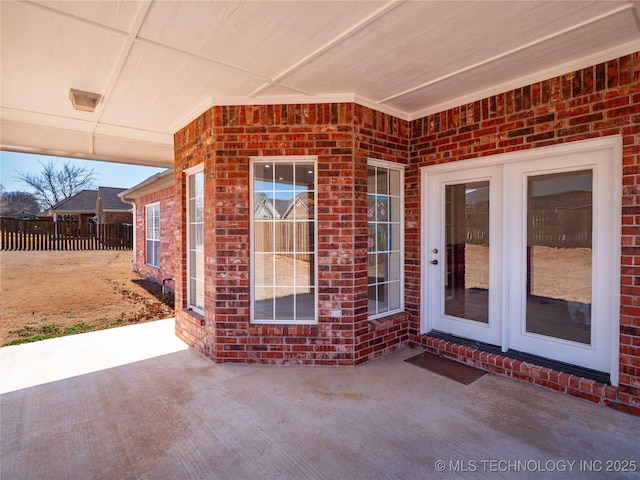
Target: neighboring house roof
<point>81,202</point>
<point>156,182</point>
<point>105,199</point>
<point>109,201</point>
<point>301,204</point>
<point>278,208</point>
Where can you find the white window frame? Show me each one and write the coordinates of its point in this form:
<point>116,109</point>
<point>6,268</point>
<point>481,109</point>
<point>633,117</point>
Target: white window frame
<point>191,304</point>
<point>512,266</point>
<point>284,160</point>
<point>399,168</point>
<point>152,225</point>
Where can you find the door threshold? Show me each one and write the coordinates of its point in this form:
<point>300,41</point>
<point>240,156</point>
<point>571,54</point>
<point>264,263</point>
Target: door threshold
<point>588,373</point>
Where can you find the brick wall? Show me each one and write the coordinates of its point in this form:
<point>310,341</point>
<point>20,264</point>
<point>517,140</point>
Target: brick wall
<point>224,138</point>
<point>589,103</point>
<point>382,137</point>
<point>596,101</point>
<point>167,231</point>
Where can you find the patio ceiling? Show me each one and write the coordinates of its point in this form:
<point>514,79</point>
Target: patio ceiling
<point>159,64</point>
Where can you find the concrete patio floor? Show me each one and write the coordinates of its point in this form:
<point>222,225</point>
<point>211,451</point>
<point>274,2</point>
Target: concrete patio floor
<point>135,403</point>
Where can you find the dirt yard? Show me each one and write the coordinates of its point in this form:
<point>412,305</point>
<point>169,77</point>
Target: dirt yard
<point>50,293</point>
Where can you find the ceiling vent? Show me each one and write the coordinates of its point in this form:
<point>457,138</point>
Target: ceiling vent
<point>84,101</point>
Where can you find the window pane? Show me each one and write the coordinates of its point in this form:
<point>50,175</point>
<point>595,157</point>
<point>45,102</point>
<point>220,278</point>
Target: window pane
<point>305,176</point>
<point>559,255</point>
<point>285,303</point>
<point>305,303</point>
<point>373,299</point>
<point>382,182</point>
<point>467,251</point>
<point>304,206</point>
<point>263,304</point>
<point>383,298</point>
<point>284,176</point>
<point>371,180</point>
<point>263,176</point>
<point>394,183</point>
<point>394,236</point>
<point>304,270</point>
<point>263,269</point>
<point>263,236</point>
<point>394,295</point>
<point>394,209</point>
<point>382,260</point>
<point>394,266</point>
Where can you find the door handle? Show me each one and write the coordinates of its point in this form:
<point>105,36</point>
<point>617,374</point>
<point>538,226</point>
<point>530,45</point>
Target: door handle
<point>434,262</point>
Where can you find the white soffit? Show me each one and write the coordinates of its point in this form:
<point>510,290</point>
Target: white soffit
<point>158,64</point>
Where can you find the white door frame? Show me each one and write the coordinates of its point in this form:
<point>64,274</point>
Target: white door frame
<point>612,145</point>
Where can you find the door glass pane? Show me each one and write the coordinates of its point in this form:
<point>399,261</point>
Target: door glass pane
<point>559,253</point>
<point>467,251</point>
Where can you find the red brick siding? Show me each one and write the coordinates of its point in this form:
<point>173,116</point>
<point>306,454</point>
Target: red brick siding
<point>596,101</point>
<point>166,199</point>
<point>589,103</point>
<point>224,138</point>
<point>382,137</point>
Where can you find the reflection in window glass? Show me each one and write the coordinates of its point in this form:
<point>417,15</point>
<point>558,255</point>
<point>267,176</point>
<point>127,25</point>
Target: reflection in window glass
<point>467,254</point>
<point>384,244</point>
<point>559,255</point>
<point>283,256</point>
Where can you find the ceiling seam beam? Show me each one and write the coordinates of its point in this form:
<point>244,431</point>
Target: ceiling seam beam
<point>117,70</point>
<point>74,18</point>
<point>146,41</point>
<point>508,53</point>
<point>330,45</point>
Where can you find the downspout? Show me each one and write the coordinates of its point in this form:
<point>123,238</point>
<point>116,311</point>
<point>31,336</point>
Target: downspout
<point>132,202</point>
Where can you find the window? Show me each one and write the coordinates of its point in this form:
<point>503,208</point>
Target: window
<point>385,238</point>
<point>153,234</point>
<point>195,241</point>
<point>283,243</point>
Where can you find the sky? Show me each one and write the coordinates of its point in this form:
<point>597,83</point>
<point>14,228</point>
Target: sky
<point>107,174</point>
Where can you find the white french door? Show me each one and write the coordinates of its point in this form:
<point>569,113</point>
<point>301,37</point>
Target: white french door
<point>465,254</point>
<point>523,251</point>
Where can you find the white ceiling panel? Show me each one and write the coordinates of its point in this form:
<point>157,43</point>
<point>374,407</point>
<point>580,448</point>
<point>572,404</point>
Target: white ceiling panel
<point>438,38</point>
<point>110,13</point>
<point>44,55</point>
<point>523,63</point>
<point>151,96</point>
<point>159,63</point>
<point>261,37</point>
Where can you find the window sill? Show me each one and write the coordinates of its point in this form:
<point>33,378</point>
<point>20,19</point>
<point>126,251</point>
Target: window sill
<point>390,320</point>
<point>197,316</point>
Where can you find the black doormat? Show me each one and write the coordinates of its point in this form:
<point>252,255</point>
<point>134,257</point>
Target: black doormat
<point>459,372</point>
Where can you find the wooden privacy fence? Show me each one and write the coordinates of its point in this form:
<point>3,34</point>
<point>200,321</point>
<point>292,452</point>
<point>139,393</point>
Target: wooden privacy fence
<point>284,238</point>
<point>549,227</point>
<point>48,235</point>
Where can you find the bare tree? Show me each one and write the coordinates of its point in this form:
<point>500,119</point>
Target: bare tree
<point>16,202</point>
<point>52,184</point>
